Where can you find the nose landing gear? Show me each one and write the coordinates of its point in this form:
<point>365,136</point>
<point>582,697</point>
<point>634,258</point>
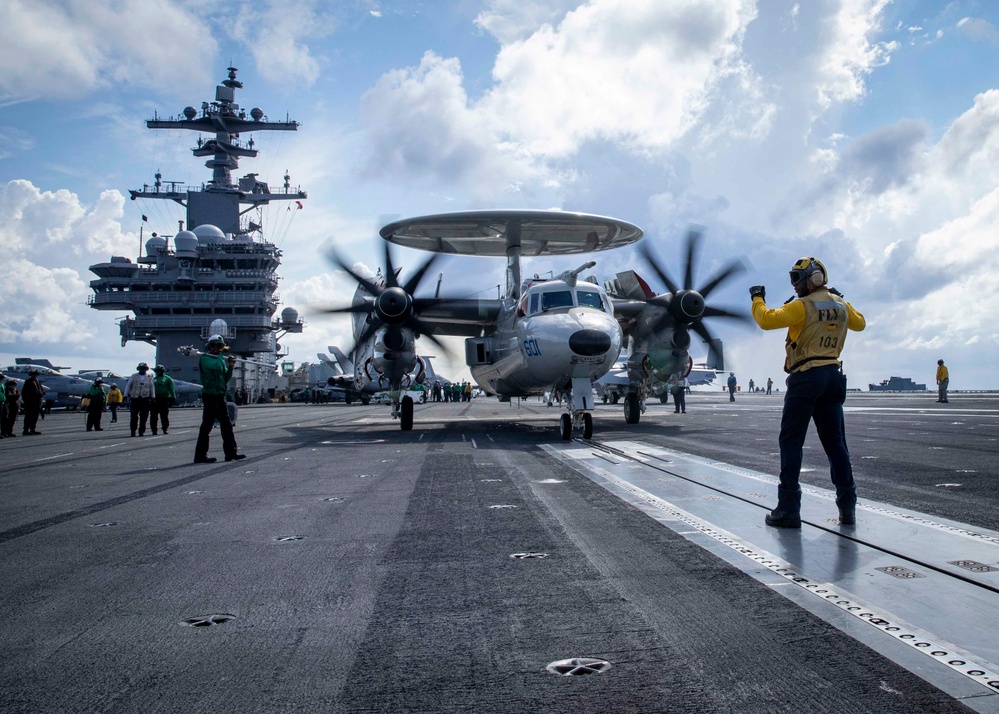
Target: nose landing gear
<point>582,420</point>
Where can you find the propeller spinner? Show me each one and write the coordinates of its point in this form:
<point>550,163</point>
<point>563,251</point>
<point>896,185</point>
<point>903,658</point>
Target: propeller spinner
<point>687,307</point>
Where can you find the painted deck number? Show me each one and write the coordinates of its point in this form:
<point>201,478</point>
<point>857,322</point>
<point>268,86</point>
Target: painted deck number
<point>531,348</point>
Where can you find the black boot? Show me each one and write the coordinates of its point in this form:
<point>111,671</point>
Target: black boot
<point>783,519</point>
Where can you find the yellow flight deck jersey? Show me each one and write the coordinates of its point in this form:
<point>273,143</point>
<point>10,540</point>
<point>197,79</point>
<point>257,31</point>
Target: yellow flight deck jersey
<point>942,373</point>
<point>816,327</point>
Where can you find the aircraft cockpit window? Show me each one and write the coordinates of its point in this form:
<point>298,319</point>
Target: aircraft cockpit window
<point>551,300</point>
<point>589,298</point>
<point>535,302</point>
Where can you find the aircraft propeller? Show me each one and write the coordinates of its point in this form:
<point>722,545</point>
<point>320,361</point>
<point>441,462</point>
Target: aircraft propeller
<point>393,304</point>
<point>686,306</point>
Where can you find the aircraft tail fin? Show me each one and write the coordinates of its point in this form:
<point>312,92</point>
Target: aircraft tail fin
<point>429,367</point>
<point>716,356</point>
<point>343,360</point>
<point>629,285</point>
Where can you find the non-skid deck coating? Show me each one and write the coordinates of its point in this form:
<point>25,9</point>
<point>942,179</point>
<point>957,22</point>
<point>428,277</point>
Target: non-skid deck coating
<point>926,582</point>
<point>346,566</point>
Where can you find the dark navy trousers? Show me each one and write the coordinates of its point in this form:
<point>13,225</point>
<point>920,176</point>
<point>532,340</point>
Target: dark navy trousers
<point>815,394</point>
<point>214,409</point>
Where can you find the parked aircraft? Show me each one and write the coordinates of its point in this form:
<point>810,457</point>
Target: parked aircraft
<point>60,389</point>
<point>559,333</point>
<point>359,379</point>
<point>616,383</point>
<point>180,387</point>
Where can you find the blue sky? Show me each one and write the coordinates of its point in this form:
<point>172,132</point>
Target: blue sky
<point>863,132</point>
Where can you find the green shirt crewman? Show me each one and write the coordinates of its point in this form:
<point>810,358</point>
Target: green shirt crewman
<point>216,371</point>
<point>163,398</point>
<point>95,410</point>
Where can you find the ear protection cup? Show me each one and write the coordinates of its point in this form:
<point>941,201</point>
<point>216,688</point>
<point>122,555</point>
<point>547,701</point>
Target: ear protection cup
<point>811,269</point>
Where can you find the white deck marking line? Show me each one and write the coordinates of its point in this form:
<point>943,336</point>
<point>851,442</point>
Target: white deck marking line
<point>939,650</point>
<point>47,458</point>
<point>827,494</point>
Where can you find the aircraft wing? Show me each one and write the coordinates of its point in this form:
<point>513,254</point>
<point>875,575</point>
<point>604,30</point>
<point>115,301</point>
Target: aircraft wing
<point>701,376</point>
<point>617,375</point>
<point>182,387</point>
<point>460,317</point>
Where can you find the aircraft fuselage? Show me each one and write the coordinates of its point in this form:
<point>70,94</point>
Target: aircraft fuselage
<point>555,334</point>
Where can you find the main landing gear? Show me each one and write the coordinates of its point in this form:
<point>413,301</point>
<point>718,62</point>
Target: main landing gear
<point>579,419</point>
<point>632,408</point>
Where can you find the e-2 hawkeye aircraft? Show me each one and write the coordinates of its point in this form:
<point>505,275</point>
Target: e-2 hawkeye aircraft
<point>542,335</point>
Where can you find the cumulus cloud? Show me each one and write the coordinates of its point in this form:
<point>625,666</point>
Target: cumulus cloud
<point>849,54</point>
<point>37,304</point>
<point>53,238</point>
<point>641,74</point>
<point>73,47</point>
<point>512,20</point>
<point>419,123</point>
<point>278,39</point>
<point>34,222</point>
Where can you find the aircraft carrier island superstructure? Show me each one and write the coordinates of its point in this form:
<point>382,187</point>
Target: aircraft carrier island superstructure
<point>218,276</point>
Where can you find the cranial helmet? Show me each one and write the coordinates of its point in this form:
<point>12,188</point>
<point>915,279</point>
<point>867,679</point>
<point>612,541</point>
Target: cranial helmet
<point>142,366</point>
<point>808,269</point>
<point>99,380</point>
<point>216,340</point>
<point>160,368</point>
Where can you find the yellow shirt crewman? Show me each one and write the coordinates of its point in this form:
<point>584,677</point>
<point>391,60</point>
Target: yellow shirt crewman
<point>943,380</point>
<point>817,323</point>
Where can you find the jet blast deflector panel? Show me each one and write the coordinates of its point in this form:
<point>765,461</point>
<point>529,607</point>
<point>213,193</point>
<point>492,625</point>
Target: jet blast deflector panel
<point>493,233</point>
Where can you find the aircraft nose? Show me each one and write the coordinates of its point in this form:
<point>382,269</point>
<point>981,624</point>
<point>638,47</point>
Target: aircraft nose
<point>589,343</point>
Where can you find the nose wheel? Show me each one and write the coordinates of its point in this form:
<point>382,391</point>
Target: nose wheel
<point>581,419</point>
<point>406,413</point>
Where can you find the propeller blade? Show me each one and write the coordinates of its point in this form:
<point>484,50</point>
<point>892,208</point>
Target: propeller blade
<point>414,282</point>
<point>703,332</point>
<point>654,264</point>
<point>342,264</point>
<point>722,312</point>
<point>693,241</point>
<point>361,307</point>
<point>390,279</point>
<point>733,268</point>
<point>422,329</point>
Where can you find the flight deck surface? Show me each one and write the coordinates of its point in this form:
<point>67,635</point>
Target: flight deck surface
<point>348,566</point>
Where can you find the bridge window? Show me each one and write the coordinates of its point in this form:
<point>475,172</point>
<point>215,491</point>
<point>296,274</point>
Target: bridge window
<point>551,300</point>
<point>589,298</point>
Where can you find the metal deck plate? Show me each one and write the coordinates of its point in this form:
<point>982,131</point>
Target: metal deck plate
<point>904,573</point>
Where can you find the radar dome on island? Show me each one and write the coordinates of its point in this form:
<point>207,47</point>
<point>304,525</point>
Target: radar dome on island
<point>155,245</point>
<point>185,245</point>
<point>207,233</point>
